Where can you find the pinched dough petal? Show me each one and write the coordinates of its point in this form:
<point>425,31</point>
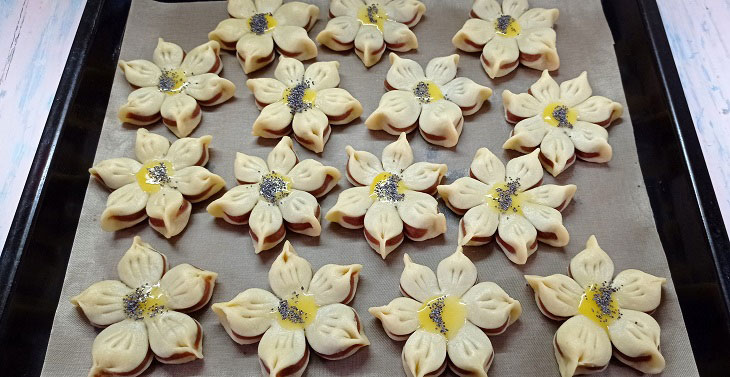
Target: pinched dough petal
<point>527,134</point>
<point>339,8</point>
<point>102,303</point>
<point>249,169</point>
<point>236,204</point>
<point>241,8</point>
<point>281,158</point>
<point>487,9</point>
<point>334,283</point>
<point>398,37</point>
<point>116,172</point>
<point>313,177</point>
<point>289,273</point>
<point>293,41</point>
<point>474,34</point>
<point>383,228</point>
<point>141,73</point>
<point>266,91</point>
<point>541,42</point>
<point>424,176</point>
<point>175,338</point>
<point>141,264</point>
<point>181,114</point>
<point>124,208</point>
<point>592,140</point>
<point>142,107</point>
<point>351,206</point>
<point>592,265</point>
<point>339,35</point>
<point>362,167</point>
<point>420,215</point>
<point>247,316</point>
<point>514,8</point>
<point>466,94</point>
<point>556,149</point>
<point>491,308</point>
<point>500,56</point>
<point>399,318</point>
<point>169,212</point>
<point>339,105</point>
<point>538,17</point>
<point>267,6</point>
<point>545,89</point>
<point>203,59</point>
<point>323,75</point>
<point>255,51</point>
<point>580,344</point>
<point>637,335</point>
<point>369,44</point>
<point>210,89</point>
<point>478,225</point>
<point>120,349</point>
<point>197,183</point>
<point>397,112</point>
<point>189,151</point>
<point>405,73</point>
<point>549,224</point>
<point>486,167</point>
<point>456,274</point>
<point>599,110</point>
<point>575,91</point>
<point>463,194</point>
<point>441,123</point>
<point>517,238</point>
<point>442,69</point>
<point>520,106</point>
<point>638,290</point>
<point>408,12</point>
<point>188,288</point>
<point>311,129</point>
<point>336,332</point>
<point>554,196</point>
<point>398,155</point>
<point>274,121</point>
<point>167,55</point>
<point>418,281</point>
<point>282,349</point>
<point>300,211</point>
<point>557,296</point>
<point>297,13</point>
<point>424,353</point>
<point>150,146</point>
<point>229,31</point>
<point>470,351</point>
<point>266,226</point>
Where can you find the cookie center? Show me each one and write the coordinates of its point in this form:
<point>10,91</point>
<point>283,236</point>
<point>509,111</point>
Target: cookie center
<point>443,315</point>
<point>274,187</point>
<point>154,174</point>
<point>388,187</point>
<point>172,81</point>
<point>507,26</point>
<point>599,304</point>
<point>300,97</point>
<point>296,312</point>
<point>373,14</point>
<point>427,92</point>
<point>558,115</point>
<point>146,301</point>
<point>505,198</point>
<point>261,23</point>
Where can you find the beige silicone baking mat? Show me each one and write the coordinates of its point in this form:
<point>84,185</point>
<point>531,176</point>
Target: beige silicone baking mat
<point>611,201</point>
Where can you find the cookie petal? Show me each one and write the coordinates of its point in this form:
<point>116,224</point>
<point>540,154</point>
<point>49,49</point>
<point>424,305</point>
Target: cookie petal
<point>520,106</point>
<point>398,155</point>
<point>323,75</point>
<point>255,51</point>
<point>639,290</point>
<point>167,55</point>
<point>281,158</point>
<point>591,140</point>
<point>281,349</point>
<point>443,69</point>
<point>300,212</point>
<point>121,348</point>
<point>553,196</point>
<point>500,56</point>
<point>229,31</point>
<point>189,151</point>
<point>545,89</point>
<point>340,32</point>
<point>486,9</point>
<point>339,105</point>
<point>581,346</point>
<point>181,114</point>
<point>404,73</point>
<point>540,43</point>
<point>466,94</point>
<point>150,146</point>
<point>102,303</point>
<point>175,338</point>
<point>424,354</point>
<point>463,194</point>
<point>420,215</point>
<point>491,308</point>
<point>266,91</point>
<point>516,237</point>
<point>247,316</point>
<point>592,265</point>
<point>399,318</point>
<point>474,35</point>
<point>142,107</point>
<point>313,177</point>
<point>266,226</point>
<point>599,110</point>
<point>424,176</point>
<point>289,273</point>
<point>141,264</point>
<point>383,228</point>
<point>169,212</point>
<point>486,167</point>
<point>311,129</point>
<point>418,281</point>
<point>116,172</point>
<point>538,17</point>
<point>408,12</point>
<point>398,37</point>
<point>557,150</point>
<point>274,121</point>
<point>334,283</point>
<point>557,296</point>
<point>351,206</point>
<point>293,41</point>
<point>362,167</point>
<point>339,8</point>
<point>209,89</point>
<point>478,225</point>
<point>188,288</point>
<point>441,123</point>
<point>549,224</point>
<point>575,91</point>
<point>456,274</point>
<point>297,13</point>
<point>336,332</point>
<point>527,135</point>
<point>267,6</point>
<point>236,204</point>
<point>369,44</point>
<point>398,111</point>
<point>514,8</point>
<point>241,8</point>
<point>141,73</point>
<point>203,59</point>
<point>124,208</point>
<point>470,351</point>
<point>249,169</point>
<point>636,335</point>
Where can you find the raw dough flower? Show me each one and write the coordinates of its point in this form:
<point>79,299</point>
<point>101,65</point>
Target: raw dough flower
<point>258,25</point>
<point>511,202</point>
<point>309,100</point>
<point>174,86</point>
<point>393,198</point>
<point>434,99</point>
<point>564,121</point>
<point>370,26</point>
<point>306,309</point>
<point>445,313</point>
<point>161,183</point>
<point>276,194</point>
<point>508,35</point>
<point>599,314</point>
<point>144,313</point>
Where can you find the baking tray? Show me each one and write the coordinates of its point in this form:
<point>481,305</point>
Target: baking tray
<point>34,259</point>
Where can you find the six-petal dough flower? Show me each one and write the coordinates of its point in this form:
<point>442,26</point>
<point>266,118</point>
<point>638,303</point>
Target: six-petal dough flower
<point>160,184</point>
<point>434,100</point>
<point>144,312</point>
<point>370,26</point>
<point>305,309</point>
<point>306,102</point>
<point>509,35</point>
<point>393,199</point>
<point>509,201</point>
<point>482,309</point>
<point>274,195</point>
<point>173,85</point>
<point>258,25</point>
<point>584,342</point>
<point>564,121</point>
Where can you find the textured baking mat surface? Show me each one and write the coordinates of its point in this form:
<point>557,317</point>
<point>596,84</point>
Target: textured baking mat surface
<point>611,201</point>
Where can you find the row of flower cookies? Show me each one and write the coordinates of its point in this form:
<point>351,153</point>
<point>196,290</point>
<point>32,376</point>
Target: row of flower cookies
<point>443,316</point>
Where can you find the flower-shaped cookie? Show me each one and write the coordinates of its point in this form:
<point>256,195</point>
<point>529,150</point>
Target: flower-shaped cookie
<point>144,311</point>
<point>258,25</point>
<point>305,309</point>
<point>274,195</point>
<point>434,100</point>
<point>370,26</point>
<point>564,121</point>
<point>306,102</point>
<point>601,317</point>
<point>445,313</point>
<point>173,86</point>
<point>509,35</point>
<point>160,184</point>
<point>393,199</point>
<point>510,201</point>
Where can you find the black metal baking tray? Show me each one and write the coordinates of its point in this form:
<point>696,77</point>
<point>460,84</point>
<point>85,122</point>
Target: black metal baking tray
<point>34,259</point>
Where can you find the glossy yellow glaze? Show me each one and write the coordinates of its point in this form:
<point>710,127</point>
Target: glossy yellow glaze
<point>382,177</point>
<point>453,315</point>
<point>492,199</point>
<point>513,29</point>
<point>308,307</point>
<point>589,308</point>
<point>378,17</point>
<point>147,183</point>
<point>547,114</point>
<point>180,81</point>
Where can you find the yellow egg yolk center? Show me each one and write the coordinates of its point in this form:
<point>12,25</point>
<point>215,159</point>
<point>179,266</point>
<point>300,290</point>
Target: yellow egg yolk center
<point>154,174</point>
<point>600,305</point>
<point>296,312</point>
<point>146,301</point>
<point>427,92</point>
<point>172,81</point>
<point>300,97</point>
<point>388,187</point>
<point>442,315</point>
<point>261,23</point>
<point>507,26</point>
<point>373,14</point>
<point>505,197</point>
<point>274,187</point>
<point>557,114</point>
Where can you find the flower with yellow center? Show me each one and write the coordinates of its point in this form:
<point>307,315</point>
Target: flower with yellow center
<point>305,311</point>
<point>445,313</point>
<point>603,314</point>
